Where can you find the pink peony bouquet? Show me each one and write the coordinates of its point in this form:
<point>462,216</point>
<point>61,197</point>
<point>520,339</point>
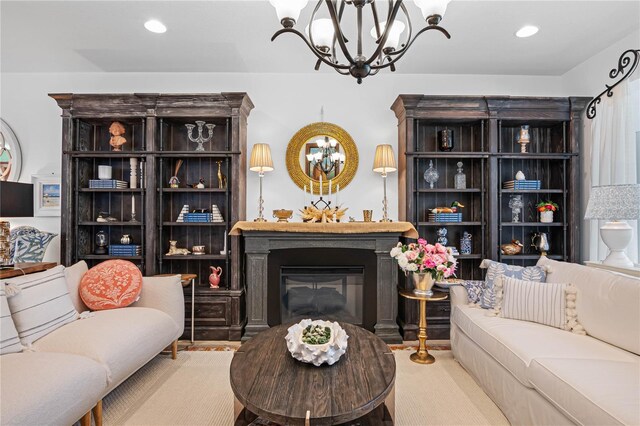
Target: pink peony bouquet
<point>421,257</point>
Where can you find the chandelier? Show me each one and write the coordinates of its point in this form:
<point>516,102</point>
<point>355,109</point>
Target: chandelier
<point>324,35</point>
<point>327,158</point>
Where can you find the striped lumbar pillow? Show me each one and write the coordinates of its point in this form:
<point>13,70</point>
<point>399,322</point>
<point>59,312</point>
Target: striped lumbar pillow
<point>9,340</point>
<point>42,305</point>
<point>550,304</point>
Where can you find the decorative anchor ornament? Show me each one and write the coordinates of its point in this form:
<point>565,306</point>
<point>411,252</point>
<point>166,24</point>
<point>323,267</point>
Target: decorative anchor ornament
<point>200,140</point>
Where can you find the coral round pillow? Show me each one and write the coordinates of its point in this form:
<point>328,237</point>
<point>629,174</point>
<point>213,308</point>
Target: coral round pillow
<point>111,284</point>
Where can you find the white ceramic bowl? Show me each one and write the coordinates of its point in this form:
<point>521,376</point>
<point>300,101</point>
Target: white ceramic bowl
<point>317,355</point>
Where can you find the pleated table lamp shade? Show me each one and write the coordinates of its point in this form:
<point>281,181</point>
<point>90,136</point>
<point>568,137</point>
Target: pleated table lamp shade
<point>261,158</point>
<point>384,161</point>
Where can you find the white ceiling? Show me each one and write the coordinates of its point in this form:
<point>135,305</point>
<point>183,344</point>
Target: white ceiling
<point>234,36</point>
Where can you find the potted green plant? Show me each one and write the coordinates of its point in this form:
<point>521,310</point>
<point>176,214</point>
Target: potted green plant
<point>546,209</point>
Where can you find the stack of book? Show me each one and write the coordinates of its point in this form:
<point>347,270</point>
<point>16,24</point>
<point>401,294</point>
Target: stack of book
<point>108,184</point>
<point>198,217</point>
<point>217,216</point>
<point>125,250</point>
<point>521,184</point>
<point>445,217</point>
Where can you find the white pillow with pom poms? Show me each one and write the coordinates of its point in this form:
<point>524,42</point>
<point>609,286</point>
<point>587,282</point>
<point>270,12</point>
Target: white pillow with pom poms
<point>551,304</point>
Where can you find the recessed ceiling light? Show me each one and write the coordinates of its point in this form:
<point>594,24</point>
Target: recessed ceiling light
<point>155,26</point>
<point>527,31</point>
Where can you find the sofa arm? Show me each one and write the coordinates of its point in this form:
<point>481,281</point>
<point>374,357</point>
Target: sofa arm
<point>164,294</point>
<point>458,295</point>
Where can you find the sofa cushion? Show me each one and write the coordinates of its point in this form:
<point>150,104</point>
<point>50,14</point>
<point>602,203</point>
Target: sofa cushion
<point>514,344</point>
<point>590,391</point>
<point>42,305</point>
<point>607,303</point>
<point>111,284</point>
<point>9,340</point>
<point>123,340</point>
<point>48,388</point>
<point>74,274</point>
<point>495,269</point>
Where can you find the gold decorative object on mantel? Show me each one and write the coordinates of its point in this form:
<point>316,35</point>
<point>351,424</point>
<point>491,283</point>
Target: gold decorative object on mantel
<point>312,214</point>
<point>305,143</point>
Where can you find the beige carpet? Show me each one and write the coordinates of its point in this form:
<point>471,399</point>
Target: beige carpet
<point>194,390</point>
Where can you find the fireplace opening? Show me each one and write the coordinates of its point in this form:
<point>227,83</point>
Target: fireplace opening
<point>333,284</point>
<point>331,293</point>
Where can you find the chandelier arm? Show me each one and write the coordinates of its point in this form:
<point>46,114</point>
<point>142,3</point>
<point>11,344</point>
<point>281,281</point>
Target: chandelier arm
<point>401,52</point>
<point>387,30</point>
<point>376,24</point>
<point>320,55</point>
<point>338,31</point>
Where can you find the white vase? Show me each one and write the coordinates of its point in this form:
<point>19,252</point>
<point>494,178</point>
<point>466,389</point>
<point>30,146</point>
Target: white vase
<point>546,216</point>
<point>423,282</point>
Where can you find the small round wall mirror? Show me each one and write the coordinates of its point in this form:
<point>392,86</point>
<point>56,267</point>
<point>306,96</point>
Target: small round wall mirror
<point>322,150</point>
<point>10,154</point>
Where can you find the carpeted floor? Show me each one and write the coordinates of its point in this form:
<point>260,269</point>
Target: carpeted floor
<point>194,390</point>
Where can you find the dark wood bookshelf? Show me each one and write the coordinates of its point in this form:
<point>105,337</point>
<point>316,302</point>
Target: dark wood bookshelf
<point>485,130</point>
<point>156,135</point>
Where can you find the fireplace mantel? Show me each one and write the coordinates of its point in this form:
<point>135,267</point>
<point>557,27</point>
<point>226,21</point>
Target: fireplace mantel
<point>259,243</point>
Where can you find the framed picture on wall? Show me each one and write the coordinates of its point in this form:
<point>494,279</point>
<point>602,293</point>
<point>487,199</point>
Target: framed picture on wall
<point>46,195</point>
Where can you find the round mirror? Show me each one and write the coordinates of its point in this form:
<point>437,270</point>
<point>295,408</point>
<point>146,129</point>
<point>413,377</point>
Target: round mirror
<point>322,150</point>
<point>10,154</point>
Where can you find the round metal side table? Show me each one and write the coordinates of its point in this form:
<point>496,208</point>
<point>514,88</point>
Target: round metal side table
<point>422,356</point>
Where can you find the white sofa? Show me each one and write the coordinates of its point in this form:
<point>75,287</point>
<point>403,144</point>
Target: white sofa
<point>542,375</point>
<point>67,372</point>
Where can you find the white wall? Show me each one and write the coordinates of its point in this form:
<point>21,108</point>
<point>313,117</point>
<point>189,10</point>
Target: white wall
<point>284,103</point>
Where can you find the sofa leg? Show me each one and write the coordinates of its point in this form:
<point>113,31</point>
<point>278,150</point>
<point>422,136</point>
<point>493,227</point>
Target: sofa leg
<point>86,419</point>
<point>174,349</point>
<point>97,413</point>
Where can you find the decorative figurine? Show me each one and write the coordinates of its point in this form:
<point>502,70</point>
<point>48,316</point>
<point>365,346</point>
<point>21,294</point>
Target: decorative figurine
<point>175,251</point>
<point>174,182</point>
<point>200,140</point>
<point>117,130</point>
<point>199,185</point>
<point>125,239</point>
<point>453,209</point>
<point>460,179</point>
<point>512,248</point>
<point>465,243</point>
<point>101,243</point>
<point>445,140</point>
<point>515,204</point>
<point>431,175</point>
<point>540,241</point>
<point>214,278</point>
<point>222,179</point>
<point>523,138</point>
<point>442,236</point>
<point>520,175</point>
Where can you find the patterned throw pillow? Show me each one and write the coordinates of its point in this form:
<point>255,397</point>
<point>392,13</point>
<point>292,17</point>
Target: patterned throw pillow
<point>549,304</point>
<point>29,244</point>
<point>42,304</point>
<point>9,340</point>
<point>494,269</point>
<point>474,290</point>
<point>111,284</point>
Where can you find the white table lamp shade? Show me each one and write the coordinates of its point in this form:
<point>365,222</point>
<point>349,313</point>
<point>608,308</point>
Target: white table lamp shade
<point>261,158</point>
<point>614,202</point>
<point>384,161</point>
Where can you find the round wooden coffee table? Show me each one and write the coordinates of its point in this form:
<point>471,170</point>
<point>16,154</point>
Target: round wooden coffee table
<point>268,382</point>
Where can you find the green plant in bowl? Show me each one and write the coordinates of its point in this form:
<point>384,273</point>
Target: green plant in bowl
<point>316,335</point>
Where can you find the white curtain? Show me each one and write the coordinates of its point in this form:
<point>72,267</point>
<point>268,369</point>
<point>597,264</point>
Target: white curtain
<point>611,157</point>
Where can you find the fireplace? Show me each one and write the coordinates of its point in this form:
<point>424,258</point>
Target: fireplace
<point>337,284</point>
<point>268,251</point>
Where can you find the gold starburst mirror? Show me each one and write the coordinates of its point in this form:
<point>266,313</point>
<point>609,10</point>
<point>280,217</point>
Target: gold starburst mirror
<point>322,150</point>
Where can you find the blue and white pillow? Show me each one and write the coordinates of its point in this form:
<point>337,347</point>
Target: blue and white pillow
<point>494,269</point>
<point>474,290</point>
<point>30,246</point>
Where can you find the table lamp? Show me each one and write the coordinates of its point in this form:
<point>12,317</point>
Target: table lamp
<point>615,203</point>
<point>261,162</point>
<point>16,200</point>
<point>383,163</point>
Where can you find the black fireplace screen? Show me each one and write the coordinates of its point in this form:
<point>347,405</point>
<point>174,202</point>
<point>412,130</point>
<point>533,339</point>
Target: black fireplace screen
<point>332,293</point>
